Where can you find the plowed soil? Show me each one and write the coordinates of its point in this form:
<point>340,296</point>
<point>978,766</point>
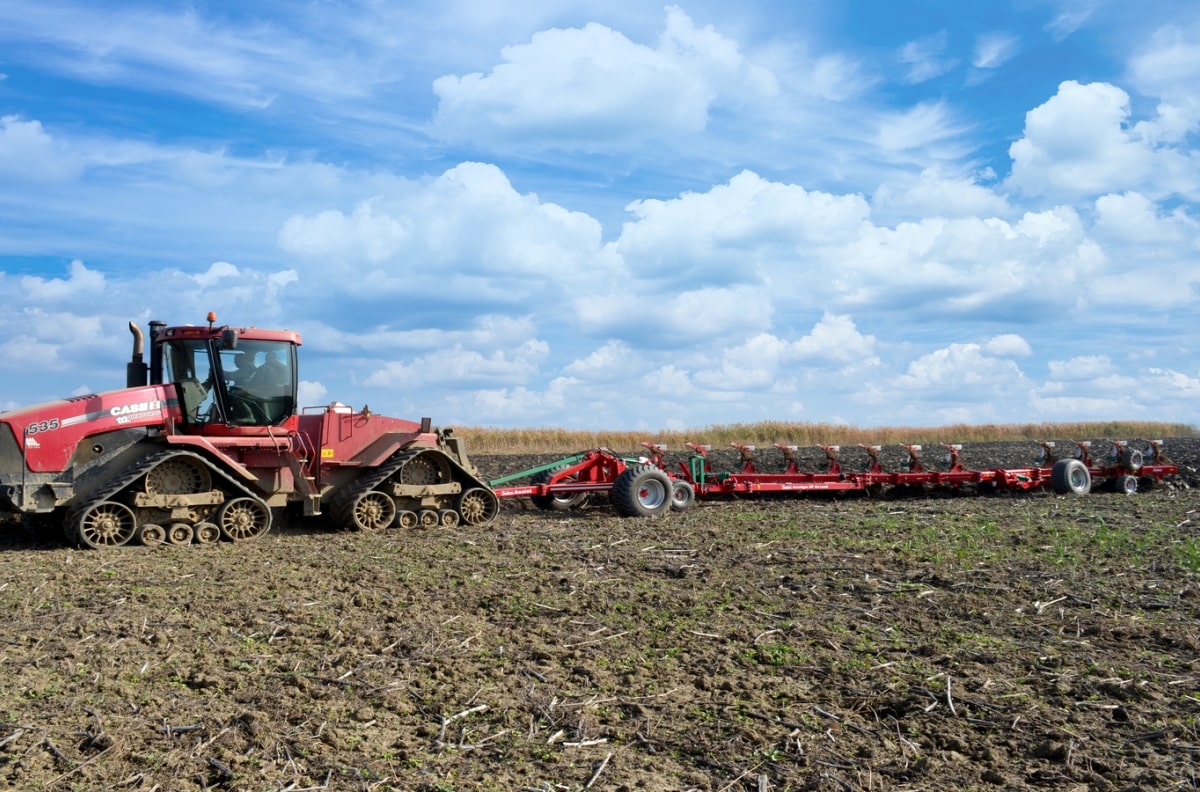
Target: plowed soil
<point>937,641</point>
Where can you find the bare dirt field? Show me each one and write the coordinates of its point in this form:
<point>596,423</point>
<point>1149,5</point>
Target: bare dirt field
<point>938,641</point>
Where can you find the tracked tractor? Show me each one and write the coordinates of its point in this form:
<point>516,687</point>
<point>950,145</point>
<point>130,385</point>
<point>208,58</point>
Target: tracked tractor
<point>206,441</point>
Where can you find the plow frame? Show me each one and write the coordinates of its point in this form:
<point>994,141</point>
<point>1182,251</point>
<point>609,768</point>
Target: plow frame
<point>565,483</point>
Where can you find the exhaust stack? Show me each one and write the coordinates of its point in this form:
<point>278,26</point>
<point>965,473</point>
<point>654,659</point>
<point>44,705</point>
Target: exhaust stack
<point>135,369</point>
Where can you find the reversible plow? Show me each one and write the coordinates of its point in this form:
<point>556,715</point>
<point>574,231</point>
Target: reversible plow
<point>647,486</point>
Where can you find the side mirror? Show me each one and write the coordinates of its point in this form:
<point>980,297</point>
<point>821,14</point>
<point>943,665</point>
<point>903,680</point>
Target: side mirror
<point>229,338</point>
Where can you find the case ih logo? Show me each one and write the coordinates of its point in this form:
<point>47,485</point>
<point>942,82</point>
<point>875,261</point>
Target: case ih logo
<point>129,412</point>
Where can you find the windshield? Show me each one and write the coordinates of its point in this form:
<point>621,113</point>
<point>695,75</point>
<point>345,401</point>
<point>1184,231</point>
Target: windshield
<point>252,385</point>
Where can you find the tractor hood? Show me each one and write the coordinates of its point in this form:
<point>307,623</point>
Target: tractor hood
<point>47,434</point>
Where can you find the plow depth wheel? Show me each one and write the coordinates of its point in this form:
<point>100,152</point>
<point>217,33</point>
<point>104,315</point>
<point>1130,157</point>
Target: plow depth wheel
<point>105,524</point>
<point>478,506</point>
<point>244,518</point>
<point>642,491</point>
<point>1070,476</point>
<point>1126,484</point>
<point>372,511</point>
<point>557,501</point>
<point>683,495</point>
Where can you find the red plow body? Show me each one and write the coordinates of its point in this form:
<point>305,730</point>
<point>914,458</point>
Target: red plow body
<point>645,486</point>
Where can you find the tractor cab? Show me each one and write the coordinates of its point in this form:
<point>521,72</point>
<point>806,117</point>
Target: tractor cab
<point>224,376</point>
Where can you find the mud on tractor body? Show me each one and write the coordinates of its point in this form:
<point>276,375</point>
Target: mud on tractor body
<point>206,442</point>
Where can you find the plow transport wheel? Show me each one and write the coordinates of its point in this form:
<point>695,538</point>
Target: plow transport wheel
<point>642,491</point>
<point>1070,476</point>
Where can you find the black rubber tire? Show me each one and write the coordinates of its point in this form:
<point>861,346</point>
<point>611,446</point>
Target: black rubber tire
<point>642,491</point>
<point>1070,477</point>
<point>1132,460</point>
<point>1125,484</point>
<point>683,495</point>
<point>564,501</point>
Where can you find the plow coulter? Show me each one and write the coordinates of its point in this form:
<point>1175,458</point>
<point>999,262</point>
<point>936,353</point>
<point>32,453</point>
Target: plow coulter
<point>646,486</point>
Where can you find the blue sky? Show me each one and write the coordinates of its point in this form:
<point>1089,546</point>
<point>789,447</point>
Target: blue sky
<point>618,215</point>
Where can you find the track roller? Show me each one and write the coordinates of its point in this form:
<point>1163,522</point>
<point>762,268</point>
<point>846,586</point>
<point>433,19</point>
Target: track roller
<point>151,534</point>
<point>206,533</point>
<point>180,533</point>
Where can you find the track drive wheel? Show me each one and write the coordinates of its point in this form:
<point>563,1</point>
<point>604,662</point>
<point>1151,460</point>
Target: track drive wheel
<point>642,491</point>
<point>105,524</point>
<point>478,506</point>
<point>429,467</point>
<point>1070,476</point>
<point>181,475</point>
<point>244,518</point>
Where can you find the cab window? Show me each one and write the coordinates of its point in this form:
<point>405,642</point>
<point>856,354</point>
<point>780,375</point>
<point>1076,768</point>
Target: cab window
<point>259,378</point>
<point>186,364</point>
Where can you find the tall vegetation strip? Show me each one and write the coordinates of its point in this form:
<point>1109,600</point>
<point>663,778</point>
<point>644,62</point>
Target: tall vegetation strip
<point>490,440</point>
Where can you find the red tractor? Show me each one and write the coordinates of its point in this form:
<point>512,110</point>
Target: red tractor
<point>206,441</point>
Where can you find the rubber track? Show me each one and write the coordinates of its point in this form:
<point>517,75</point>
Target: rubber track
<point>341,507</point>
<point>144,466</point>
